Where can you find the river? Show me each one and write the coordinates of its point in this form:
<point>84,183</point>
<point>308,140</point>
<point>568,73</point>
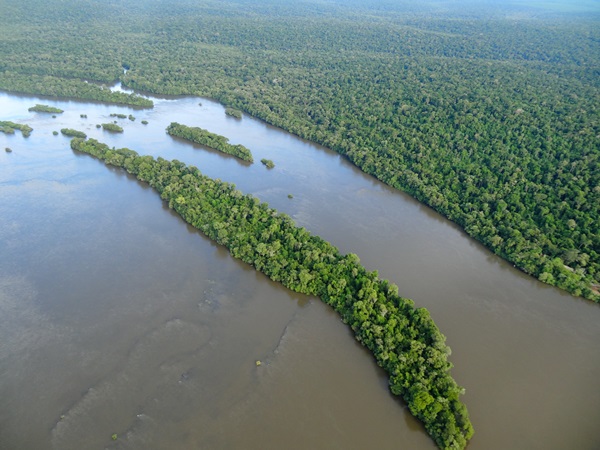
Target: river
<point>118,318</point>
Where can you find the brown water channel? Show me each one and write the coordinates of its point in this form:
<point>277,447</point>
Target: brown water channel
<point>117,317</point>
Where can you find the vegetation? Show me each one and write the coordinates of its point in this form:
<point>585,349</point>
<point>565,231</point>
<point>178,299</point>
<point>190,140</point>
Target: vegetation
<point>489,114</point>
<point>83,116</point>
<point>208,139</point>
<point>9,127</point>
<point>46,109</point>
<point>144,122</point>
<point>112,127</point>
<point>8,150</point>
<point>73,133</point>
<point>233,112</point>
<point>267,162</point>
<point>51,86</point>
<point>404,339</point>
<point>55,133</point>
<point>119,116</point>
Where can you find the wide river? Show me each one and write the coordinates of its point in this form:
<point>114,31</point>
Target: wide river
<point>118,318</point>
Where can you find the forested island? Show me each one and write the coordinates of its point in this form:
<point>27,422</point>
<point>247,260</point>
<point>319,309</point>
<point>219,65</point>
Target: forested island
<point>70,132</point>
<point>208,139</point>
<point>46,109</point>
<point>404,340</point>
<point>8,127</point>
<point>112,127</point>
<point>268,163</point>
<point>488,115</point>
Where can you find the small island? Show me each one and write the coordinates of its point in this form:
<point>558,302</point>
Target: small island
<point>268,163</point>
<point>208,139</point>
<point>73,133</point>
<point>119,116</point>
<point>46,109</point>
<point>114,128</point>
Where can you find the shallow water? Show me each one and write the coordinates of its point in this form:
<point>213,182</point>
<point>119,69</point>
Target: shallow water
<point>117,317</point>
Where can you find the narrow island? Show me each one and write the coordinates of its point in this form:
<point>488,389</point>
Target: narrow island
<point>404,340</point>
<point>9,127</point>
<point>46,109</point>
<point>73,133</point>
<point>208,139</point>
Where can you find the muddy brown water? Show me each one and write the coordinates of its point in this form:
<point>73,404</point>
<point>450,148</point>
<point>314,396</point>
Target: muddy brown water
<point>118,318</point>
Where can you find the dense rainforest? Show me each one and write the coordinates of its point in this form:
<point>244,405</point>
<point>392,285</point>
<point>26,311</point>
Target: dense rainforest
<point>404,340</point>
<point>488,112</point>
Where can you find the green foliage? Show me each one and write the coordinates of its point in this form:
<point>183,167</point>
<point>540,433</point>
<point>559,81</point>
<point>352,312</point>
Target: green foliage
<point>144,122</point>
<point>112,127</point>
<point>9,127</point>
<point>233,112</point>
<point>33,83</point>
<point>208,139</point>
<point>73,133</point>
<point>119,116</point>
<point>403,339</point>
<point>268,163</point>
<point>492,121</point>
<point>46,109</point>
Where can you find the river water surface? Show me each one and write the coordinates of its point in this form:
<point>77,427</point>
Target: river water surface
<point>118,318</point>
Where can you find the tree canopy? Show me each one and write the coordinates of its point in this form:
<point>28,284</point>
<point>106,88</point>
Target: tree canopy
<point>208,139</point>
<point>488,112</point>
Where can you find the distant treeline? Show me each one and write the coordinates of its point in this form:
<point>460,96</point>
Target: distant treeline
<point>64,87</point>
<point>404,340</point>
